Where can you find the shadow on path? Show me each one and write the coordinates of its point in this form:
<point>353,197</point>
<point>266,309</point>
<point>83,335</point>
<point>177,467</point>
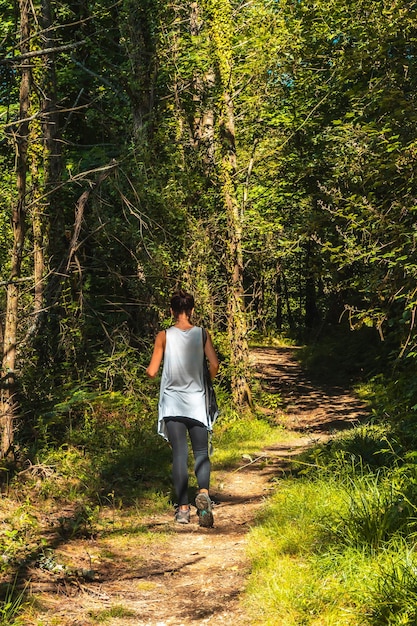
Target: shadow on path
<point>309,406</point>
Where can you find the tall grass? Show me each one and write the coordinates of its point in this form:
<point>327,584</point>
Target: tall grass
<point>393,597</point>
<point>336,546</point>
<point>12,606</point>
<point>291,531</point>
<point>377,510</point>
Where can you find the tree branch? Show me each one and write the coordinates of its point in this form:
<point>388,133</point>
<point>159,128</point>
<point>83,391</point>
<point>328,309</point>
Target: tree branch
<point>40,53</point>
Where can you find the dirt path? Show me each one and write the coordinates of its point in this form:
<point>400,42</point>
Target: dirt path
<point>182,575</point>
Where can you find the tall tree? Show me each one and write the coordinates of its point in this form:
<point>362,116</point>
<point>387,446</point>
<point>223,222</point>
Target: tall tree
<point>220,29</point>
<point>8,388</point>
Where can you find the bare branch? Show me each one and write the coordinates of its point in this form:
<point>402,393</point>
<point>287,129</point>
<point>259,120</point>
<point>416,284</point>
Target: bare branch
<point>4,283</point>
<point>102,79</point>
<point>40,53</point>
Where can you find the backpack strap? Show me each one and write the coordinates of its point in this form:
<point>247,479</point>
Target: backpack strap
<point>210,431</point>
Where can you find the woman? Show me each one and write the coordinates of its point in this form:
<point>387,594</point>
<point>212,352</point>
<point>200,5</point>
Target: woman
<point>182,405</point>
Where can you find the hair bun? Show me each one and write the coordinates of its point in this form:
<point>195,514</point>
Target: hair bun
<point>182,301</point>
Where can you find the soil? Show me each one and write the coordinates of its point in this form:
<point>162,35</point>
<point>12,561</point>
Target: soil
<point>172,574</point>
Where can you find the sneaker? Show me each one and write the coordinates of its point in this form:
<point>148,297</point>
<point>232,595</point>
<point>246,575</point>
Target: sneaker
<point>182,516</point>
<point>204,510</point>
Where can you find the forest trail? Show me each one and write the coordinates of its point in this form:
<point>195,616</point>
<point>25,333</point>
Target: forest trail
<point>183,575</point>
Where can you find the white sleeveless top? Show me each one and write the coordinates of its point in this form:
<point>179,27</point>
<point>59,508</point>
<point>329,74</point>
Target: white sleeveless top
<point>182,383</point>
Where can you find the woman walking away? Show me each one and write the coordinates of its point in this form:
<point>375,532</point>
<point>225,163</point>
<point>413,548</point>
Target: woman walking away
<point>182,403</point>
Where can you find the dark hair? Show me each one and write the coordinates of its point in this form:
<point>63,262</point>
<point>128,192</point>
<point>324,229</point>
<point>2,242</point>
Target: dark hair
<point>182,302</point>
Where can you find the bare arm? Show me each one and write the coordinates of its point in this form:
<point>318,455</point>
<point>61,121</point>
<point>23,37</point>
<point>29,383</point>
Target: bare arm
<point>158,353</point>
<point>211,356</point>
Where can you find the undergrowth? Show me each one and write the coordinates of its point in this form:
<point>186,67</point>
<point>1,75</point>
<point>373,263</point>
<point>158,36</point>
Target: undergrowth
<point>97,468</point>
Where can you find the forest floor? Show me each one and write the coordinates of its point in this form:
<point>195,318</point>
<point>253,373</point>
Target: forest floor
<point>182,574</point>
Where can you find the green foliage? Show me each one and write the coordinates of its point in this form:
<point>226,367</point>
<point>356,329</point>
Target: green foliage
<point>331,159</point>
<point>393,398</point>
<point>12,606</point>
<point>110,439</point>
<point>340,355</point>
<point>20,528</point>
<point>81,523</point>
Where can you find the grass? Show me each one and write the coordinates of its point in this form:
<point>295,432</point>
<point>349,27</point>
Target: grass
<point>337,546</point>
<point>107,615</point>
<point>244,436</point>
<point>392,596</point>
<point>296,578</point>
<point>12,606</point>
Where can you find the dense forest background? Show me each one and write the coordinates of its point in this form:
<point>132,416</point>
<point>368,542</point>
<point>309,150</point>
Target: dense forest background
<point>261,154</point>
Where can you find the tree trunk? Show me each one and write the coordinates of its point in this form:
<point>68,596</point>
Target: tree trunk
<point>8,391</point>
<point>278,300</point>
<point>219,21</point>
<point>140,28</point>
<point>239,354</point>
<point>46,159</point>
<point>291,321</point>
<point>312,315</point>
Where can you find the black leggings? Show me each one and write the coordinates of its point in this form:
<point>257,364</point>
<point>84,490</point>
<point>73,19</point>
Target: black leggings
<point>177,428</point>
